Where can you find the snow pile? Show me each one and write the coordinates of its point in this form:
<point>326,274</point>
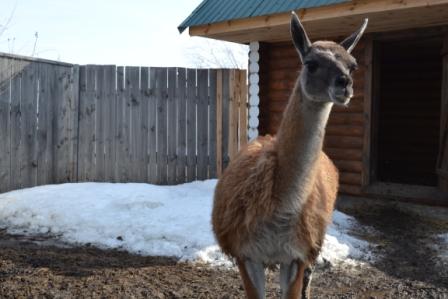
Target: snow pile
<point>141,218</point>
<point>339,245</point>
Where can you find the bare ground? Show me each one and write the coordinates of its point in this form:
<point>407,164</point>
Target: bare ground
<point>408,266</point>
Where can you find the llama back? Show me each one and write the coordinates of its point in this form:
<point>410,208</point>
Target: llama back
<point>243,195</point>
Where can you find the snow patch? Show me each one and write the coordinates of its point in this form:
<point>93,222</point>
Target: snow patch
<point>144,219</point>
<point>339,246</point>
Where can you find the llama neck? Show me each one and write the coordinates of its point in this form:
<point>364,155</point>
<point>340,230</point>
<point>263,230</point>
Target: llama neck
<point>299,144</point>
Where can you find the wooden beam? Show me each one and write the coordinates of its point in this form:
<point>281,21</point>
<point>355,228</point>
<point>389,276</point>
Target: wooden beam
<point>332,20</point>
<point>366,157</point>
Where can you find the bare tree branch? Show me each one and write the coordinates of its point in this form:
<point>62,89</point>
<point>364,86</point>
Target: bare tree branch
<point>36,36</point>
<point>5,25</point>
<point>214,54</point>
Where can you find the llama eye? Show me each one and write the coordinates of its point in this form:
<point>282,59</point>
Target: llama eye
<point>312,66</point>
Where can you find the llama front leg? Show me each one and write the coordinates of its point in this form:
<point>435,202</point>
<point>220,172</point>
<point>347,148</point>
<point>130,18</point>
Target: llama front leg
<point>306,290</point>
<point>292,279</point>
<point>253,277</point>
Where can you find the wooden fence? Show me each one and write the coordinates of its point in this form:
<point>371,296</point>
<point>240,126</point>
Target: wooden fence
<point>66,123</point>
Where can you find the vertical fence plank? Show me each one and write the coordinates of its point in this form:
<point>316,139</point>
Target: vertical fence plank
<point>47,104</point>
<point>161,94</point>
<point>233,113</point>
<point>132,94</point>
<point>122,133</point>
<point>152,118</point>
<point>43,149</point>
<point>108,120</point>
<point>73,93</point>
<point>172,122</point>
<point>28,151</point>
<point>202,124</point>
<point>66,123</point>
<point>91,125</point>
<point>53,82</point>
<point>84,114</point>
<point>225,117</point>
<point>128,159</point>
<point>219,111</point>
<point>57,125</point>
<point>212,124</point>
<point>87,123</point>
<point>99,123</point>
<point>181,124</point>
<point>243,108</point>
<point>16,112</point>
<point>191,124</point>
<point>5,159</point>
<point>114,111</point>
<point>144,122</point>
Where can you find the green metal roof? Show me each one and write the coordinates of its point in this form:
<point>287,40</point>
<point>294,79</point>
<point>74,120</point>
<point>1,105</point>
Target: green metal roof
<point>214,11</point>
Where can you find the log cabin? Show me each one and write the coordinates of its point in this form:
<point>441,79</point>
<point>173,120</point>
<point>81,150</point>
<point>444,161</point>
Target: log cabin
<point>391,142</point>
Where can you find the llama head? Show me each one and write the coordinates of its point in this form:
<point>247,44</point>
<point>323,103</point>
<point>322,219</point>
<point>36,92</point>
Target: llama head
<point>327,67</point>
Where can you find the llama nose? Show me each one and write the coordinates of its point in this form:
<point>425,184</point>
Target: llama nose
<point>342,81</point>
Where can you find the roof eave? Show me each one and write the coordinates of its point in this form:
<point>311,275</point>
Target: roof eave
<point>330,21</point>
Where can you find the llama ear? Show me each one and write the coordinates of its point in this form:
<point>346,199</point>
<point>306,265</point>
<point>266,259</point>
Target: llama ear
<point>350,42</point>
<point>299,37</point>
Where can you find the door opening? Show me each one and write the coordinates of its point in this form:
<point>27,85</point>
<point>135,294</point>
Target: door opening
<point>408,76</point>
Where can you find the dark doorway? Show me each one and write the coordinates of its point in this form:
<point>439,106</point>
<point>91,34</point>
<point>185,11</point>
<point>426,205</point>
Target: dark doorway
<point>408,77</point>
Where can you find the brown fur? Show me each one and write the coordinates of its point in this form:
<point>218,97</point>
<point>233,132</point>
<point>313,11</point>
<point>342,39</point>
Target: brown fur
<point>243,195</point>
<point>318,209</point>
<point>244,198</point>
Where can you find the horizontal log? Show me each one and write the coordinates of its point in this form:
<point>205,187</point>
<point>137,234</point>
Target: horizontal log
<point>277,106</point>
<point>350,178</point>
<point>273,127</point>
<point>356,105</point>
<point>281,85</point>
<point>344,130</point>
<point>279,94</point>
<point>344,154</point>
<point>359,80</point>
<point>288,74</point>
<point>281,52</point>
<point>284,63</point>
<point>346,119</point>
<point>348,166</point>
<point>343,142</point>
<point>350,189</point>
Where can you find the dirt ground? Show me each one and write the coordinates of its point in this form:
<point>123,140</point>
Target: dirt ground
<point>408,266</point>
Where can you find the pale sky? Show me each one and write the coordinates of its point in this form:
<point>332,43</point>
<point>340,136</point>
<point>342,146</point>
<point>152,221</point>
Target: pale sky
<point>132,32</point>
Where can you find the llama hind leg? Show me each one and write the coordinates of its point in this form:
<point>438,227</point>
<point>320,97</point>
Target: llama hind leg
<point>292,279</point>
<point>253,277</point>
